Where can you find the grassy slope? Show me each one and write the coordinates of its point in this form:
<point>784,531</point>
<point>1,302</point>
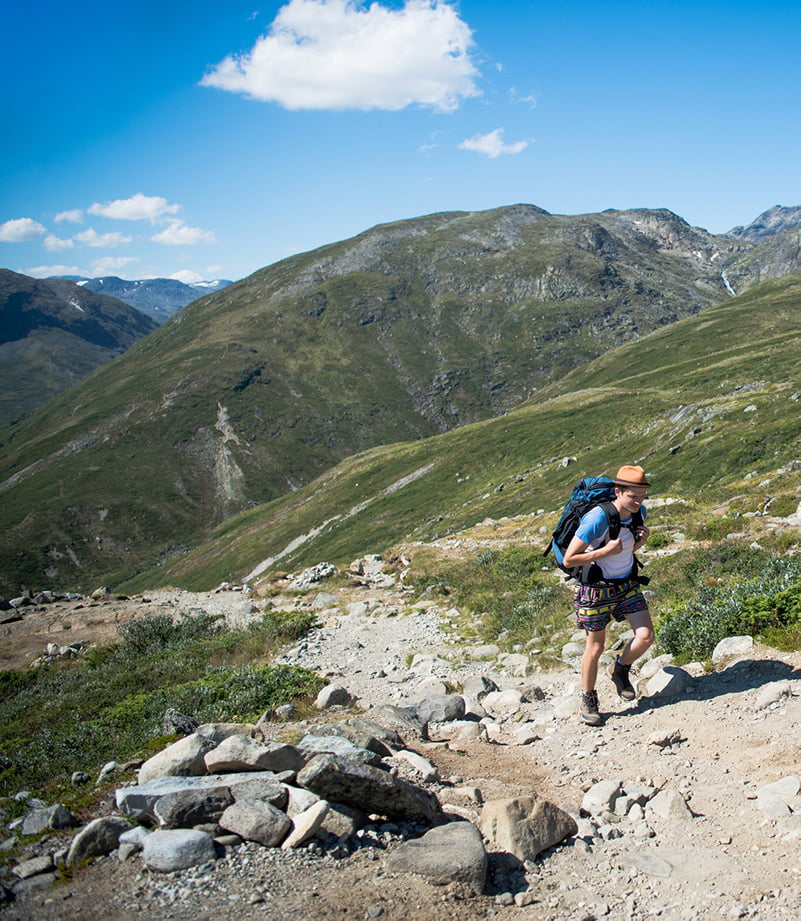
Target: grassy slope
<point>400,333</point>
<point>708,406</point>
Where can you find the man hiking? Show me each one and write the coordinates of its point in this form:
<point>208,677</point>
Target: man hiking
<point>617,594</point>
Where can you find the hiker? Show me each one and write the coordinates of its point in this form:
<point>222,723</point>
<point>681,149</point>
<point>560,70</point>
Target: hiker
<point>618,592</point>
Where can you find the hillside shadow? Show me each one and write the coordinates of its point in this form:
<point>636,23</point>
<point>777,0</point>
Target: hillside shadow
<point>738,678</point>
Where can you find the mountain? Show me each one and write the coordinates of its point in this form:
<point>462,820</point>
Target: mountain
<point>777,219</point>
<point>708,405</point>
<point>159,298</point>
<point>408,330</point>
<point>52,334</point>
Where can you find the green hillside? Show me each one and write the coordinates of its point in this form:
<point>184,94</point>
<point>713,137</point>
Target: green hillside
<point>406,331</point>
<point>709,406</point>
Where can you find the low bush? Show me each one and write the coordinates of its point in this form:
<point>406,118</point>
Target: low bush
<point>769,602</point>
<point>506,589</point>
<point>80,714</point>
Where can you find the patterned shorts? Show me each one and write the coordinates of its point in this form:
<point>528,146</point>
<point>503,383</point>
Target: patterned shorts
<point>596,605</point>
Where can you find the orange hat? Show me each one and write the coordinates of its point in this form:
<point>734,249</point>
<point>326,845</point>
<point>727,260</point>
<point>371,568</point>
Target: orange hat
<point>631,476</point>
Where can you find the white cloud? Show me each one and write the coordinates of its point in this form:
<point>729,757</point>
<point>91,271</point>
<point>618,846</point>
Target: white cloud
<point>111,265</point>
<point>21,230</point>
<point>492,144</point>
<point>54,244</point>
<point>45,271</point>
<point>138,207</point>
<point>75,216</point>
<point>337,54</point>
<point>180,234</point>
<point>91,237</point>
<point>187,277</point>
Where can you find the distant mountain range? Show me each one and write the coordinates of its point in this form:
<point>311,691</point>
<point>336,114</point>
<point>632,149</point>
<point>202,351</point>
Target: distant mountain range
<point>775,220</point>
<point>159,298</point>
<point>53,333</point>
<point>406,331</point>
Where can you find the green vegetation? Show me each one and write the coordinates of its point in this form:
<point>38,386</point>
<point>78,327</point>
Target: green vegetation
<point>504,593</point>
<point>79,715</point>
<point>747,593</point>
<point>404,333</point>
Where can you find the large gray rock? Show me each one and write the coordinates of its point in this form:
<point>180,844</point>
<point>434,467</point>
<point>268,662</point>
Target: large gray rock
<point>312,745</point>
<point>441,708</point>
<point>256,821</point>
<point>187,808</point>
<point>139,802</point>
<point>403,720</point>
<point>97,839</point>
<point>670,681</point>
<point>179,849</point>
<point>243,753</point>
<point>183,758</point>
<point>48,817</point>
<point>525,826</point>
<point>367,788</point>
<point>732,646</point>
<point>452,853</point>
<point>364,733</point>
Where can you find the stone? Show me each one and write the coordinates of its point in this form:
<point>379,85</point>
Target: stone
<point>97,839</point>
<point>305,825</point>
<point>501,703</point>
<point>243,753</point>
<point>525,826</point>
<point>179,849</point>
<point>313,745</point>
<point>452,853</point>
<point>256,821</point>
<point>367,788</point>
<point>33,867</point>
<point>441,708</point>
<point>479,686</point>
<point>334,695</point>
<point>363,733</point>
<point>773,693</point>
<point>188,808</point>
<point>732,646</point>
<point>139,802</point>
<point>601,797</point>
<point>419,765</point>
<point>669,804</point>
<point>48,817</point>
<point>670,681</point>
<point>184,758</point>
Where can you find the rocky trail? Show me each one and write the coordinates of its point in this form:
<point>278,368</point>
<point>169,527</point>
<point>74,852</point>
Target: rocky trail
<point>686,802</point>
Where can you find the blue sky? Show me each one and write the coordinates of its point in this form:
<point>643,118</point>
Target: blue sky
<point>205,139</point>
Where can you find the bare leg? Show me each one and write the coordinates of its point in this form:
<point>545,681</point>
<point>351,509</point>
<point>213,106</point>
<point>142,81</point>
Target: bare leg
<point>596,641</point>
<point>643,637</point>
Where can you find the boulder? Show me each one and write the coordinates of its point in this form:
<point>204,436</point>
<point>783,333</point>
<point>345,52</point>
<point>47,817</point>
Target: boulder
<point>452,853</point>
<point>167,851</point>
<point>525,826</point>
<point>367,788</point>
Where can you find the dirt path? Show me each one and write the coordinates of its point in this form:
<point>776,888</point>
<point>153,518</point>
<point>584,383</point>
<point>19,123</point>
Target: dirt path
<point>730,858</point>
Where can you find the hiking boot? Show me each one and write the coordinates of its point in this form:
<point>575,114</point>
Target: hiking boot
<point>589,709</point>
<point>619,673</point>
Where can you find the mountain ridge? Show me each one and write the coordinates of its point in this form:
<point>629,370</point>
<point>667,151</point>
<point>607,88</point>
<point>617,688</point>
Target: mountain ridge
<point>159,298</point>
<point>52,334</point>
<point>407,330</point>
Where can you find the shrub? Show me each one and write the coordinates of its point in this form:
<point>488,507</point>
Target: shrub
<point>771,600</point>
<point>79,714</point>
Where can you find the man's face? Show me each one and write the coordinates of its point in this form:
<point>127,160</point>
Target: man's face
<point>632,497</point>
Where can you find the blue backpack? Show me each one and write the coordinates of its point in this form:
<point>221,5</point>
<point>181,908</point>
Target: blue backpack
<point>586,495</point>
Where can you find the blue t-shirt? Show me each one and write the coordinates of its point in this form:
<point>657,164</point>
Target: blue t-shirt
<point>593,529</point>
